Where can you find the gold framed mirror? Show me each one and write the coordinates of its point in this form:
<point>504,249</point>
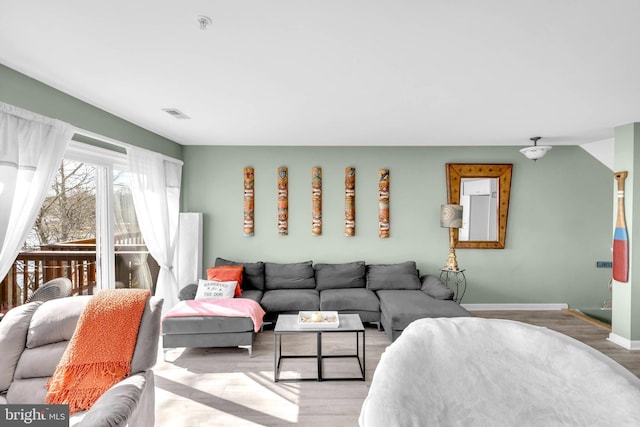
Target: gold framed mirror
<point>483,190</point>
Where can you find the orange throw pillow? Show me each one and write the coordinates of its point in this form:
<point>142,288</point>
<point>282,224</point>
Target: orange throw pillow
<point>227,273</point>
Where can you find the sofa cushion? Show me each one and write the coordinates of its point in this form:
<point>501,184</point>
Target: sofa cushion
<point>252,276</point>
<point>55,320</point>
<point>290,300</point>
<point>393,276</point>
<point>40,361</point>
<point>434,287</point>
<point>340,276</point>
<point>351,299</point>
<point>13,336</point>
<point>205,325</point>
<point>289,276</point>
<point>401,307</point>
<point>252,294</point>
<point>28,391</point>
<point>146,351</point>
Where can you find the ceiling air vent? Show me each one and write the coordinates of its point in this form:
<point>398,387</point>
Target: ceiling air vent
<point>174,112</point>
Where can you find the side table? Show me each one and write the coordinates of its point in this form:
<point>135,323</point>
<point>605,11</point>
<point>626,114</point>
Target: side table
<point>457,279</point>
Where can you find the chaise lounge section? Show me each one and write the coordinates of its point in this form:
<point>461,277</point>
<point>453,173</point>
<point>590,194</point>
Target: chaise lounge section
<point>405,296</point>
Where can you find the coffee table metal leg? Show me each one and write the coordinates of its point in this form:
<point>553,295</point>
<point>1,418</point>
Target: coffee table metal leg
<point>364,356</point>
<point>319,354</point>
<point>275,358</point>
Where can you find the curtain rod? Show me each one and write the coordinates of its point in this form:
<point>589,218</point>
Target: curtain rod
<point>102,138</point>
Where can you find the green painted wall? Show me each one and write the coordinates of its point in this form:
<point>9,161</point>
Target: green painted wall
<point>626,296</point>
<point>559,218</point>
<point>25,92</point>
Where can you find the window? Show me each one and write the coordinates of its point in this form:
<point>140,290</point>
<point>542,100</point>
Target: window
<point>86,230</point>
<point>134,267</point>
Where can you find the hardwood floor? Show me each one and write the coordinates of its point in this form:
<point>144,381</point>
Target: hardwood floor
<point>225,387</point>
<point>592,333</point>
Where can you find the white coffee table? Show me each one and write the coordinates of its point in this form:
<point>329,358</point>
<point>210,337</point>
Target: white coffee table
<point>288,324</point>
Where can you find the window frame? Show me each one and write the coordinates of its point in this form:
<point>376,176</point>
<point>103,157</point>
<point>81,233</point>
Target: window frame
<point>105,161</point>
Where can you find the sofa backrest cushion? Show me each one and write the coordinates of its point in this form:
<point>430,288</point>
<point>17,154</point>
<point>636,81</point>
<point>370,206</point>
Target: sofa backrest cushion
<point>40,361</point>
<point>393,276</point>
<point>340,276</point>
<point>298,275</point>
<point>13,336</point>
<point>50,329</point>
<point>56,320</point>
<point>252,275</point>
<point>145,353</point>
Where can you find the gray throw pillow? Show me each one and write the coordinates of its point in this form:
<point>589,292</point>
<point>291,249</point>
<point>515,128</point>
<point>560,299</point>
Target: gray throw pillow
<point>188,292</point>
<point>298,275</point>
<point>252,275</point>
<point>432,286</point>
<point>393,276</point>
<point>340,276</point>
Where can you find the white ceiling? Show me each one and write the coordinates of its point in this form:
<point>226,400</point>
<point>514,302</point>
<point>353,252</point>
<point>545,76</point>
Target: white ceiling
<point>341,72</point>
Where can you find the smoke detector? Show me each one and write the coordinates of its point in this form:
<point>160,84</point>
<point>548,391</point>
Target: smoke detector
<point>204,21</point>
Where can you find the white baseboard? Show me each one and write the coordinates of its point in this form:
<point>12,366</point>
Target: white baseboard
<point>624,342</point>
<point>508,306</point>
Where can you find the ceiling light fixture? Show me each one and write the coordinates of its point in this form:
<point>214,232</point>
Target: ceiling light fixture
<point>536,151</point>
<point>203,21</point>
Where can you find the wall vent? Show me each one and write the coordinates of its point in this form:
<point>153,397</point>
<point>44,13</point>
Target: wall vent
<point>174,112</point>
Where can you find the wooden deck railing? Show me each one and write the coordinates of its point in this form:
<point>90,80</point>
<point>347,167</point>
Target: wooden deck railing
<point>74,260</point>
<point>35,268</point>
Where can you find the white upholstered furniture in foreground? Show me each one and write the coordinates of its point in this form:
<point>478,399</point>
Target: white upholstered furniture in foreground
<point>488,372</point>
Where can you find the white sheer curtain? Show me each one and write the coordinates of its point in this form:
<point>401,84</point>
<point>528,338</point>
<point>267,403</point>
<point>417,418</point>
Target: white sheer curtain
<point>155,186</point>
<point>125,224</point>
<point>31,149</point>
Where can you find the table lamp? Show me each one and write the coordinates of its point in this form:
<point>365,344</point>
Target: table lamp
<point>451,217</point>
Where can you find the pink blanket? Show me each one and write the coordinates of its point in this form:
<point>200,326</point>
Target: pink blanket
<point>225,307</point>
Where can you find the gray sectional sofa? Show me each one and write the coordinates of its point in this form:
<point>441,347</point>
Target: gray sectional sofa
<point>392,295</point>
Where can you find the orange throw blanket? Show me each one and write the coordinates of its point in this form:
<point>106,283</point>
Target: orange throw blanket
<point>100,351</point>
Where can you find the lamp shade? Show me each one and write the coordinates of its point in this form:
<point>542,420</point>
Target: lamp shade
<point>451,216</point>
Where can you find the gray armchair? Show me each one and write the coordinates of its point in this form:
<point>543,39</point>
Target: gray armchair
<point>33,338</point>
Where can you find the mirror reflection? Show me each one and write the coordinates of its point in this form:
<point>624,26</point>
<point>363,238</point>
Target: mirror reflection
<point>479,200</point>
<point>483,191</point>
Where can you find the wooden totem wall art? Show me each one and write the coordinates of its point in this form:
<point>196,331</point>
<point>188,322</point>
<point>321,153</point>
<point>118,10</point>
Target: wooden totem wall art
<point>316,201</point>
<point>283,201</point>
<point>350,202</point>
<point>383,203</point>
<point>248,202</point>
